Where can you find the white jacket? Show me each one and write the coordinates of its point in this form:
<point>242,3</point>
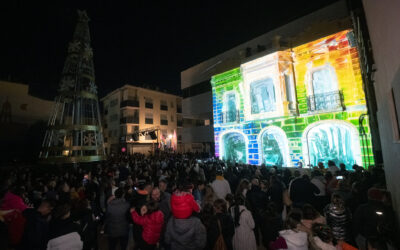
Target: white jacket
<point>295,240</point>
<point>71,241</point>
<point>221,188</point>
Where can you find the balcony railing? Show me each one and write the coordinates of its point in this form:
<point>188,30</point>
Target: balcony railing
<point>130,119</point>
<point>328,101</point>
<point>129,103</point>
<point>229,116</point>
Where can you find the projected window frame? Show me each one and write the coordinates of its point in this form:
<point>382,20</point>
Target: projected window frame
<point>229,114</point>
<point>222,144</point>
<point>327,97</point>
<point>262,96</point>
<point>281,142</point>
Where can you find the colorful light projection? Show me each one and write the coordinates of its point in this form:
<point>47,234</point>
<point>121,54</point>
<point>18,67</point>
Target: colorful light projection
<point>298,105</point>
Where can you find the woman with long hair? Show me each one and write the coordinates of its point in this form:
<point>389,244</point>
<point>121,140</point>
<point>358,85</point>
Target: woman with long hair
<point>243,187</point>
<point>244,238</point>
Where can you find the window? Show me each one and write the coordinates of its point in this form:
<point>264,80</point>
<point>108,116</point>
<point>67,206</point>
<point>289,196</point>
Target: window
<point>113,102</point>
<point>163,105</point>
<point>148,103</point>
<point>149,118</point>
<point>133,129</point>
<point>163,119</point>
<point>230,113</point>
<point>262,96</point>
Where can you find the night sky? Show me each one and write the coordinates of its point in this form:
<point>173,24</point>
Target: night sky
<point>134,42</point>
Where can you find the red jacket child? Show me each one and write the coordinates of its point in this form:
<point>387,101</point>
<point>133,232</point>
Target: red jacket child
<point>152,223</point>
<point>183,205</point>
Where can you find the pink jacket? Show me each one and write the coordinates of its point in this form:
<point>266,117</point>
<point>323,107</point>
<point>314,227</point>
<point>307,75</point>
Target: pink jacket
<point>12,201</point>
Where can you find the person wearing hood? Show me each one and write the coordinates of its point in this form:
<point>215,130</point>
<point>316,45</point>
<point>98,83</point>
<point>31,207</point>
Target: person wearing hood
<point>184,231</point>
<point>294,238</point>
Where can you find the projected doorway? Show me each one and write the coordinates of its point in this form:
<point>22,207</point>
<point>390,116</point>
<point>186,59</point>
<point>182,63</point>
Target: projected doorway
<point>233,147</point>
<point>274,147</point>
<point>332,140</point>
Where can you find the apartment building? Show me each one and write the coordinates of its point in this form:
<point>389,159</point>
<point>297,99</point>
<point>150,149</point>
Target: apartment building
<point>137,119</point>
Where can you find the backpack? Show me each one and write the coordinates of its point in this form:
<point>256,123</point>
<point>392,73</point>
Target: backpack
<point>220,243</point>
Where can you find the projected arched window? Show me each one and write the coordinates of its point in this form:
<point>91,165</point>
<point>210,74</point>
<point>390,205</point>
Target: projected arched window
<point>333,140</point>
<point>230,107</point>
<point>262,96</point>
<point>274,147</point>
<point>233,147</point>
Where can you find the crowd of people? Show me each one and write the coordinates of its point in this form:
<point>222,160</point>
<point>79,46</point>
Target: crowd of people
<point>187,201</point>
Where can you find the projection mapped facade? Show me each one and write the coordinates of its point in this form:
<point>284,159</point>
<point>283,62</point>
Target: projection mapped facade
<point>298,105</point>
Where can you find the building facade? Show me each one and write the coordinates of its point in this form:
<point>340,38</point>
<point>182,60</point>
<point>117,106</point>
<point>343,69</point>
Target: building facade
<point>195,81</point>
<point>141,120</point>
<point>381,22</point>
<point>302,104</point>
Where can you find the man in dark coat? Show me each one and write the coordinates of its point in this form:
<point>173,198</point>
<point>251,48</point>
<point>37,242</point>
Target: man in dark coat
<point>302,191</point>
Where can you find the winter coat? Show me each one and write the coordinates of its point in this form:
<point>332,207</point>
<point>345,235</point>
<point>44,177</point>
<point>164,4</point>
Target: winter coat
<point>36,230</point>
<point>221,187</point>
<point>183,205</point>
<point>258,201</point>
<point>228,230</point>
<point>116,219</point>
<point>152,225</point>
<point>308,223</point>
<point>71,241</point>
<point>320,183</point>
<point>186,234</point>
<point>338,218</point>
<point>13,201</point>
<point>244,238</point>
<point>295,240</point>
<point>63,234</point>
<point>302,191</point>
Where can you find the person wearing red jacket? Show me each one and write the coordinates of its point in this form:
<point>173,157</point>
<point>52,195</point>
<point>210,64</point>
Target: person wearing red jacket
<point>183,203</point>
<point>152,220</point>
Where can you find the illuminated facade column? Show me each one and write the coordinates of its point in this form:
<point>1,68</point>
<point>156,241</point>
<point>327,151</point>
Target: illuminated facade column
<point>74,132</point>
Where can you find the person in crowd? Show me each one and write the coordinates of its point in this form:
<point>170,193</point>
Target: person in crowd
<point>321,166</point>
<point>163,200</point>
<point>244,238</point>
<point>311,216</point>
<point>36,226</point>
<point>185,232</point>
<point>322,237</point>
<point>332,168</point>
<point>116,221</point>
<point>302,191</point>
<point>221,223</point>
<point>338,217</point>
<point>63,232</point>
<point>276,193</point>
<point>294,238</point>
<point>182,201</point>
<point>320,199</point>
<point>331,183</point>
<point>273,221</point>
<point>373,219</point>
<point>209,196</point>
<point>258,201</point>
<point>163,184</point>
<point>243,188</point>
<point>220,185</point>
<point>152,220</point>
<point>138,199</point>
<point>198,192</point>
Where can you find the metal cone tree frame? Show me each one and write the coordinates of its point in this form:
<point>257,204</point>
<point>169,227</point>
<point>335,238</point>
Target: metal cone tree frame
<point>74,132</point>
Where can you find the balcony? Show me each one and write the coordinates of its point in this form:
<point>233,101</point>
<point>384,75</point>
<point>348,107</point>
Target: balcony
<point>229,116</point>
<point>164,107</point>
<point>329,101</point>
<point>129,103</point>
<point>130,119</point>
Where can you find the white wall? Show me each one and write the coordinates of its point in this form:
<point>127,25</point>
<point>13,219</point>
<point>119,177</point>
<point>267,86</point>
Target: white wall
<point>383,19</point>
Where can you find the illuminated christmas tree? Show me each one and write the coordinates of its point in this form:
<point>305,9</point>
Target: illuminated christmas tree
<point>74,132</point>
